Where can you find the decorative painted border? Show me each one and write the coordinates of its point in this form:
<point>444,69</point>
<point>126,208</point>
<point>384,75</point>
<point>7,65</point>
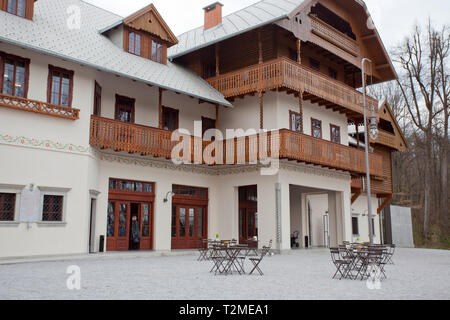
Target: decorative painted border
<point>43,144</point>
<point>166,164</point>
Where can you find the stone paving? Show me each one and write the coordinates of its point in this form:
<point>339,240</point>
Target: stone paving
<point>306,274</point>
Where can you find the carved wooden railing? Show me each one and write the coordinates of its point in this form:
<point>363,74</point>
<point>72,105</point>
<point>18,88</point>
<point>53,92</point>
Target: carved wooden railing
<point>296,146</point>
<point>386,138</point>
<point>339,39</point>
<point>284,144</point>
<point>29,105</point>
<point>286,73</point>
<point>377,187</point>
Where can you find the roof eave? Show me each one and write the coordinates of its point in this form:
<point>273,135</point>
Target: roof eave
<point>224,103</point>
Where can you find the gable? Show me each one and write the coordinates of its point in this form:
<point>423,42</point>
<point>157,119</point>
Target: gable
<point>149,20</point>
<point>391,137</point>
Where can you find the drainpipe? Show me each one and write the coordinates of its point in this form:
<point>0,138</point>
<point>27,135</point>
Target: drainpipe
<point>278,214</point>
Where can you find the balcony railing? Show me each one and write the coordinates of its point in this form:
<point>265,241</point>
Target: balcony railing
<point>285,144</point>
<point>35,106</point>
<point>286,73</point>
<point>334,36</point>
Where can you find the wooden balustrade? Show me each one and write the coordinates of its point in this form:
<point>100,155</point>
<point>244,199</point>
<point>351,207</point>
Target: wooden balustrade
<point>377,187</point>
<point>40,107</point>
<point>283,144</point>
<point>296,146</point>
<point>334,36</point>
<point>286,73</point>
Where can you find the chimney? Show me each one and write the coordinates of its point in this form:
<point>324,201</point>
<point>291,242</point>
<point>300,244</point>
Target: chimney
<point>213,15</point>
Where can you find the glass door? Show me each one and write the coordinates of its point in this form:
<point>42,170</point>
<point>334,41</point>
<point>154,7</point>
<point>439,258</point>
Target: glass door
<point>123,225</point>
<point>145,221</point>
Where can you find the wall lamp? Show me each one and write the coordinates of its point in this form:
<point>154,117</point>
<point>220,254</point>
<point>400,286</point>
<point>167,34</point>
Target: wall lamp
<point>170,193</point>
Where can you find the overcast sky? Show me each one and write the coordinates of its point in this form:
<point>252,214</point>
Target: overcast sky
<point>393,18</point>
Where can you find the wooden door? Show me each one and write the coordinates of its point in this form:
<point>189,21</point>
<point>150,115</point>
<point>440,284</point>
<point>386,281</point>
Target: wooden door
<point>146,223</point>
<point>247,225</point>
<point>123,226</point>
<point>189,226</point>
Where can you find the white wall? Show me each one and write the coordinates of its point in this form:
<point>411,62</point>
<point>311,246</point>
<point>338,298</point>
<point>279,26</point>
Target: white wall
<point>359,209</point>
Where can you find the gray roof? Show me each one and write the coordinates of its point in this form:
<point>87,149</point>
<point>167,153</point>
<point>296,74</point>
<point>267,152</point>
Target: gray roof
<point>252,17</point>
<point>49,33</point>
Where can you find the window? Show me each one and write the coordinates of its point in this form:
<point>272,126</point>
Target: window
<point>52,208</point>
<point>60,86</point>
<point>313,63</point>
<point>17,7</point>
<point>188,191</point>
<point>156,51</point>
<point>316,128</point>
<point>333,73</point>
<point>293,55</point>
<point>134,43</point>
<point>7,206</point>
<point>208,124</point>
<point>97,99</point>
<point>170,119</point>
<point>335,134</point>
<point>295,121</point>
<point>14,71</point>
<point>355,226</point>
<point>124,109</point>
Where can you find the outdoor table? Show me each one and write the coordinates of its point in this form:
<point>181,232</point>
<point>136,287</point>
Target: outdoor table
<point>226,259</point>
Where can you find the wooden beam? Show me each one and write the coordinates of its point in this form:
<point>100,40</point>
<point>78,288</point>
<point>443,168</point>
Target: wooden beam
<point>385,203</point>
<point>260,50</point>
<point>261,109</point>
<point>217,60</point>
<point>299,56</point>
<point>217,116</point>
<point>300,106</point>
<point>356,196</point>
<point>160,122</point>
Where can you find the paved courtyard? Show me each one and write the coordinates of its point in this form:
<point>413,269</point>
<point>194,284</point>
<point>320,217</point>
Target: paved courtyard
<point>417,274</point>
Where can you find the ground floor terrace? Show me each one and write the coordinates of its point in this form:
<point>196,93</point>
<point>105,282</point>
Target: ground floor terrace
<point>66,203</point>
<point>305,274</point>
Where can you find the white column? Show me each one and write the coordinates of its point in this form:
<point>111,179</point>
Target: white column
<point>267,223</point>
<point>285,217</point>
<point>162,239</point>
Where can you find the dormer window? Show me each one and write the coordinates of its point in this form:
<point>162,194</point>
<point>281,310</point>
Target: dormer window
<point>17,7</point>
<point>134,43</point>
<point>156,50</point>
<point>21,8</point>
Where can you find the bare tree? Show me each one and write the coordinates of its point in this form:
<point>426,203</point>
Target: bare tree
<point>419,59</point>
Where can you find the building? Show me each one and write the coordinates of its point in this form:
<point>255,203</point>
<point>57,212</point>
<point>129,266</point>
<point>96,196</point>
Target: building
<point>89,102</point>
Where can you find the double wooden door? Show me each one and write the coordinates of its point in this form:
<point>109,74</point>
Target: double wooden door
<point>189,226</point>
<point>119,224</point>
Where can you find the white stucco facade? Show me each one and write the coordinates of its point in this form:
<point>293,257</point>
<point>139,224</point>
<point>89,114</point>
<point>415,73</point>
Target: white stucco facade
<point>54,156</point>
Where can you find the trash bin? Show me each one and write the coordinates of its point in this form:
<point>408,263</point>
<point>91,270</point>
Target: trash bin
<point>102,244</point>
<point>306,242</point>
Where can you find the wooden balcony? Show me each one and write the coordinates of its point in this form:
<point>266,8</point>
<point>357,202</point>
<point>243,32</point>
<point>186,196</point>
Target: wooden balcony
<point>334,36</point>
<point>137,139</point>
<point>40,107</point>
<point>285,73</point>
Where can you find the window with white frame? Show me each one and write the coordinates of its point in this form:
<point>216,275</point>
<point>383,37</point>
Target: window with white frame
<point>9,203</point>
<point>7,206</point>
<point>53,204</point>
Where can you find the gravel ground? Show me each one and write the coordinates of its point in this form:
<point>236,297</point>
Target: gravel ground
<point>417,274</point>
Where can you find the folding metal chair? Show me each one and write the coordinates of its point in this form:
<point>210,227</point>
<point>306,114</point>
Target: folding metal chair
<point>203,250</point>
<point>256,261</point>
<point>390,253</point>
<point>342,266</point>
